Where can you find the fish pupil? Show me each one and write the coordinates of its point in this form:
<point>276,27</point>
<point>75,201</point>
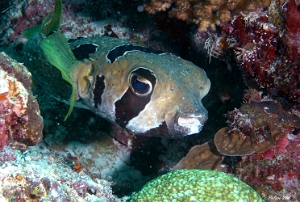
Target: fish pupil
<point>139,86</point>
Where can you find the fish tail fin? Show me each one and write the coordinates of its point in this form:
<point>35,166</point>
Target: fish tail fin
<point>59,54</point>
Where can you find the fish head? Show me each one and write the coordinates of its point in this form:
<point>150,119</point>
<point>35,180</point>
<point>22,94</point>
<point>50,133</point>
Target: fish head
<point>174,108</point>
<point>151,94</point>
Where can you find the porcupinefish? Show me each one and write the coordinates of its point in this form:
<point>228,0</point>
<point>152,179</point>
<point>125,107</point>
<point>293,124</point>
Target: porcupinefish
<point>148,92</point>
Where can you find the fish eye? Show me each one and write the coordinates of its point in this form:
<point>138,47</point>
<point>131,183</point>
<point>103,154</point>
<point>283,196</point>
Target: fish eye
<point>139,85</point>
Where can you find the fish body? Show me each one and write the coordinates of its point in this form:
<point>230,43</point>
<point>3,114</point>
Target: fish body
<point>147,92</point>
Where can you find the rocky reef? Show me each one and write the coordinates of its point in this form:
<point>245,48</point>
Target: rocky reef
<point>41,175</point>
<point>250,51</point>
<point>21,123</point>
<point>264,128</point>
<point>205,14</point>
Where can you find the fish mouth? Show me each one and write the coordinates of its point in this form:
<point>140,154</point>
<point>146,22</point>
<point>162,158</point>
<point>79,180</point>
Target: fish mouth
<point>191,123</point>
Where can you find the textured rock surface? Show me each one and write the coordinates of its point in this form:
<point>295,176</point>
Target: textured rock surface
<point>41,175</point>
<point>21,124</point>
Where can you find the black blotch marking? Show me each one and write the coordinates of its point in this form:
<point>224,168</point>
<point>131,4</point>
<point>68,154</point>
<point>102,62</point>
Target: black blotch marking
<point>120,50</point>
<point>98,91</point>
<point>83,51</point>
<point>130,105</point>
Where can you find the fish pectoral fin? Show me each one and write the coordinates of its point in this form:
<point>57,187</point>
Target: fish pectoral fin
<point>59,54</point>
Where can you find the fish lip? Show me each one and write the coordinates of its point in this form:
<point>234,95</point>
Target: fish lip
<point>193,123</point>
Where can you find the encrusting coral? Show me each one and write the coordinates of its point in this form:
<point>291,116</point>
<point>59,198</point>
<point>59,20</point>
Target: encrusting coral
<point>274,173</point>
<point>206,14</point>
<point>255,127</point>
<point>203,156</point>
<point>266,46</point>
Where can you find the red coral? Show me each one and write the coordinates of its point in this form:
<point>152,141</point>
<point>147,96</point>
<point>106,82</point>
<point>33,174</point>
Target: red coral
<point>267,58</point>
<point>4,135</point>
<point>279,172</point>
<point>256,45</point>
<point>292,17</point>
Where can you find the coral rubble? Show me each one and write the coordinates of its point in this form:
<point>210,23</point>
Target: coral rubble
<point>21,15</point>
<point>21,124</point>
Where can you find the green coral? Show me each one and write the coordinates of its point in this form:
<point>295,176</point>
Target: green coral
<point>196,185</point>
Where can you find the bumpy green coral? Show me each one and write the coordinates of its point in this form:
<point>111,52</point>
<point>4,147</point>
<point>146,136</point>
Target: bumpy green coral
<point>196,185</point>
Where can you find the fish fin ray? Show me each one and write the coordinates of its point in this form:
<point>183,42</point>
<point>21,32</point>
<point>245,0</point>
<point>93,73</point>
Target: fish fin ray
<point>59,54</point>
